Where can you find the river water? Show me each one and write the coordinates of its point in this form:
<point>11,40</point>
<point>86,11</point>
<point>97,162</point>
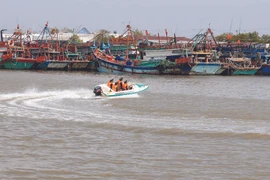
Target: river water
<point>183,127</point>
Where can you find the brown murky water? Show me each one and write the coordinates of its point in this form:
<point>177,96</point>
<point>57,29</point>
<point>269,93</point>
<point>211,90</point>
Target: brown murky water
<point>182,127</point>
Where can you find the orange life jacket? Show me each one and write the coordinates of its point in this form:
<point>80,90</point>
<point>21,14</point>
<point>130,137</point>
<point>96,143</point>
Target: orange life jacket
<point>109,84</point>
<point>125,86</point>
<point>120,83</point>
<point>114,87</point>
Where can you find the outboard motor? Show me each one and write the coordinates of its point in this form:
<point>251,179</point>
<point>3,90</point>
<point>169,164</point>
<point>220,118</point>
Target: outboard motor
<point>97,90</point>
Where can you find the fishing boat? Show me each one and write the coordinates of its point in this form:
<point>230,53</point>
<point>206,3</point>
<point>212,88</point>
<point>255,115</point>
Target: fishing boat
<point>2,50</point>
<point>206,63</point>
<point>1,64</point>
<point>104,90</point>
<point>264,70</point>
<point>16,58</point>
<point>169,54</point>
<point>14,54</point>
<point>108,64</point>
<point>243,66</point>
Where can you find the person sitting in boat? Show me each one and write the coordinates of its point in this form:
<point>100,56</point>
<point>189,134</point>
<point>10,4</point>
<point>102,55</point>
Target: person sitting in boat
<point>110,83</point>
<point>125,85</point>
<point>120,83</point>
<point>115,86</point>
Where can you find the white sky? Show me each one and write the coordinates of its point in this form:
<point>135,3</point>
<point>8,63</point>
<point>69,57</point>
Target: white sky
<point>184,17</point>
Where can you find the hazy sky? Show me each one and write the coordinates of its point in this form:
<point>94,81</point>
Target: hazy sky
<point>184,17</point>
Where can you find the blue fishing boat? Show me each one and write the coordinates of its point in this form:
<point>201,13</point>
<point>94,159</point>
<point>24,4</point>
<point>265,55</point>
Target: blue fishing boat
<point>265,69</point>
<point>108,64</point>
<point>243,66</point>
<point>205,63</point>
<point>208,68</point>
<point>53,65</point>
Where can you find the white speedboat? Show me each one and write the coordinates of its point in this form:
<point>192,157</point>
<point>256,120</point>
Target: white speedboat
<point>104,90</point>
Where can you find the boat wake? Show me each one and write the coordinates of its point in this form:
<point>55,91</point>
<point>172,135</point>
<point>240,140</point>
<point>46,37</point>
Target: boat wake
<point>55,104</point>
<point>33,103</point>
<point>100,112</point>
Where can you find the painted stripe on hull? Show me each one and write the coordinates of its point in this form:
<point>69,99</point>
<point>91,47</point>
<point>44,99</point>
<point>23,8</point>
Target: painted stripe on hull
<point>78,65</point>
<point>245,72</point>
<point>53,65</point>
<point>18,65</point>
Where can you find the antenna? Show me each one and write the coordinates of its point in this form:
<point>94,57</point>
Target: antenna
<point>240,25</point>
<point>231,24</point>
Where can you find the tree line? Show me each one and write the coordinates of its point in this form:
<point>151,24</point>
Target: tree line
<point>244,37</point>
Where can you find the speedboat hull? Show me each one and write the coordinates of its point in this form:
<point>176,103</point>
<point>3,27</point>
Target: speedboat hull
<point>104,90</point>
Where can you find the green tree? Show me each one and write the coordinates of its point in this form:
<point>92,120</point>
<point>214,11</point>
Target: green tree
<point>75,39</point>
<point>54,31</point>
<point>222,37</point>
<point>265,38</point>
<point>137,32</point>
<point>243,37</point>
<point>253,37</point>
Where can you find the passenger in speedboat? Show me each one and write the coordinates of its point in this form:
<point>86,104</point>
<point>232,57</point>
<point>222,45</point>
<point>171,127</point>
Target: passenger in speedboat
<point>115,86</point>
<point>125,85</point>
<point>120,83</point>
<point>110,83</point>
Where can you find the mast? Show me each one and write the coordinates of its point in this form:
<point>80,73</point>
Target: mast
<point>158,41</point>
<point>240,25</point>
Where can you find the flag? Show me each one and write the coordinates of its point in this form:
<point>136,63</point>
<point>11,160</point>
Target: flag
<point>166,32</point>
<point>229,37</point>
<point>146,32</point>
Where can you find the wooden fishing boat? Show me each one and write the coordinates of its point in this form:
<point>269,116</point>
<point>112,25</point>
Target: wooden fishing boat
<point>2,50</point>
<point>242,66</point>
<point>16,58</point>
<point>14,54</point>
<point>1,63</point>
<point>108,64</point>
<point>265,69</point>
<point>207,68</point>
<point>203,63</point>
<point>76,62</point>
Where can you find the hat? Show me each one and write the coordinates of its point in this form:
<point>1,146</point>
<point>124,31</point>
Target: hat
<point>125,81</point>
<point>111,80</point>
<point>121,78</point>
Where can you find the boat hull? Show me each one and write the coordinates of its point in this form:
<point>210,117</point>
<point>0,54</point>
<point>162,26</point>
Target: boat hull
<point>18,64</point>
<point>110,67</point>
<point>78,65</point>
<point>204,68</point>
<point>135,89</point>
<point>1,64</point>
<point>53,65</point>
<point>244,71</point>
<point>265,69</point>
